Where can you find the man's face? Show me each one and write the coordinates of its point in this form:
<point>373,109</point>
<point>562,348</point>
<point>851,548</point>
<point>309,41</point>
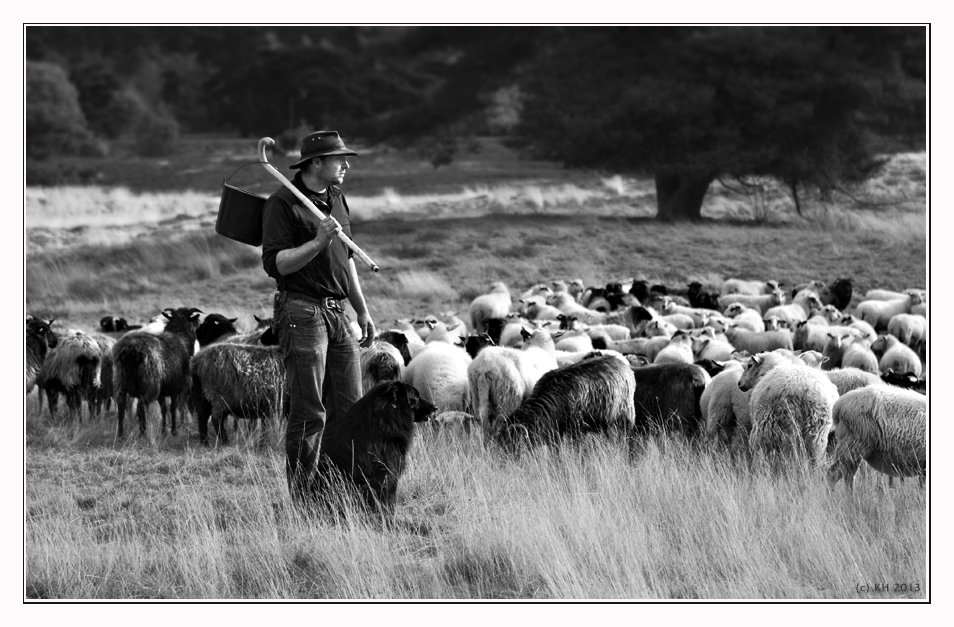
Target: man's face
<point>332,169</point>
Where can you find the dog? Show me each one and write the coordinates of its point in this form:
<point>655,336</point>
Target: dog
<point>368,446</point>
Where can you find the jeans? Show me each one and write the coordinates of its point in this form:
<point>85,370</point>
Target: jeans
<point>323,376</point>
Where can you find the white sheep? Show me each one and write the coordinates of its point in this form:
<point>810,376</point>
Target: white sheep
<point>660,328</point>
<point>858,354</point>
<point>884,425</point>
<point>830,314</point>
<point>762,302</point>
<point>879,312</point>
<point>679,350</point>
<point>909,328</point>
<point>753,342</point>
<point>536,309</point>
<point>708,348</point>
<point>565,303</point>
<point>896,355</point>
<point>716,403</point>
<point>615,332</point>
<point>801,308</point>
<point>867,331</point>
<point>746,317</point>
<point>892,295</point>
<point>741,286</point>
<point>573,341</point>
<point>700,317</point>
<point>493,304</point>
<point>791,406</point>
<point>848,379</point>
<point>437,372</point>
<point>500,378</point>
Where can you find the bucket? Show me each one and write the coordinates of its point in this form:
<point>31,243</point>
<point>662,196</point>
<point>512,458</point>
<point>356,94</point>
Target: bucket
<point>240,214</point>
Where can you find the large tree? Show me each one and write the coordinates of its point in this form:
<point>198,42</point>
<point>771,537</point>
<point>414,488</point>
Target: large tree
<point>689,104</point>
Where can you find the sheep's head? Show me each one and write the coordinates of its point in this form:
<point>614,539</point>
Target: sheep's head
<point>813,359</point>
<point>831,312</point>
<point>734,310</point>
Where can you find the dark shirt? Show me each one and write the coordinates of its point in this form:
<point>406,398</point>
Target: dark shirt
<point>287,223</point>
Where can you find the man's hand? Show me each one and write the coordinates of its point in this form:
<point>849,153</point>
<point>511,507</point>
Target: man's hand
<point>367,330</point>
<point>327,230</point>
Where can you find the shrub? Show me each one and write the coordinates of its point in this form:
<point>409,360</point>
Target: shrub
<point>55,124</point>
<point>157,134</point>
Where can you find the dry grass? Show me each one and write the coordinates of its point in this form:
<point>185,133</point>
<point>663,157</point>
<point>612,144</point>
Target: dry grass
<point>164,517</point>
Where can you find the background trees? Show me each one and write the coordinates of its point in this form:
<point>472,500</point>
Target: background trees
<point>811,106</point>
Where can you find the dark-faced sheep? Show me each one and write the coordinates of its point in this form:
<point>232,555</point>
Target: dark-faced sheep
<point>790,407</point>
<point>75,368</point>
<point>369,445</point>
<point>152,367</point>
<point>883,425</point>
<point>39,340</point>
<point>215,328</point>
<point>593,395</point>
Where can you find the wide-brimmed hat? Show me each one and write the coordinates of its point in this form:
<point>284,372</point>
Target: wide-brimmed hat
<point>321,144</point>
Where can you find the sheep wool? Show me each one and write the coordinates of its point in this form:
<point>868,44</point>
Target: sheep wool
<point>897,356</point>
<point>883,425</point>
<point>790,406</point>
<point>437,366</point>
<point>494,304</point>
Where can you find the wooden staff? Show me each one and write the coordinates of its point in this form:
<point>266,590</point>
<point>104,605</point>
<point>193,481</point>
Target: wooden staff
<point>268,141</point>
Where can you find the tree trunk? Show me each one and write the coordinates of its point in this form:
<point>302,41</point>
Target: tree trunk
<point>679,195</point>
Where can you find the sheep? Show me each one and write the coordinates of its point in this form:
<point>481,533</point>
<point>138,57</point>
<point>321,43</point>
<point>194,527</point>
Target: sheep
<point>668,397</point>
<point>753,288</point>
<point>858,354</point>
<point>865,329</point>
<point>679,350</point>
<point>715,404</point>
<point>761,302</point>
<point>594,395</point>
<point>512,335</point>
<point>493,304</point>
<point>790,406</point>
<point>801,308</point>
<point>892,295</point>
<point>441,333</point>
<point>439,373</point>
<point>909,328</point>
<point>838,293</point>
<point>848,379</point>
<point>661,328</point>
<point>75,368</point>
<point>215,328</point>
<point>565,303</point>
<point>883,425</point>
<point>380,362</point>
<point>895,355</point>
<point>712,349</point>
<point>753,342</point>
<point>701,298</point>
<point>573,341</point>
<point>812,286</point>
<point>808,336</point>
<point>476,343</point>
<point>879,312</point>
<point>678,321</point>
<point>746,317</point>
<point>244,380</point>
<point>906,380</point>
<point>700,317</point>
<point>114,324</point>
<point>501,378</point>
<point>39,340</point>
<point>829,314</point>
<point>150,367</point>
<point>772,323</point>
<point>536,310</point>
<point>615,332</point>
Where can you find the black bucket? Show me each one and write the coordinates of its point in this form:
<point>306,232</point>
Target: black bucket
<point>240,215</point>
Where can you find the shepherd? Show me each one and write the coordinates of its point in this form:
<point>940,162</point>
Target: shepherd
<point>315,271</point>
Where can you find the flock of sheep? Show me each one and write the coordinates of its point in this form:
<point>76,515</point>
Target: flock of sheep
<point>739,367</point>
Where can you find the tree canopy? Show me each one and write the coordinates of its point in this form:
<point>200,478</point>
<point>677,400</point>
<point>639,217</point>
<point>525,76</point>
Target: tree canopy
<point>810,105</point>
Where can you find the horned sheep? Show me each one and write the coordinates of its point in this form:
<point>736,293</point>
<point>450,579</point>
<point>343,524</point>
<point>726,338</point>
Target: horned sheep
<point>151,367</point>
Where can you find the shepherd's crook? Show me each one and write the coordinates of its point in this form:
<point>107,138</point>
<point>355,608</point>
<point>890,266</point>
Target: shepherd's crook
<point>268,141</point>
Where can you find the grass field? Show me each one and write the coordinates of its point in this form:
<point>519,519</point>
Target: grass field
<point>163,517</point>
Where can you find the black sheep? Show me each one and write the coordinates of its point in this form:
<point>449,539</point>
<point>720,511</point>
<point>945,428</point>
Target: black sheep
<point>839,294</point>
<point>214,328</point>
<point>595,394</point>
<point>667,398</point>
<point>151,367</point>
<point>368,446</point>
<point>702,299</point>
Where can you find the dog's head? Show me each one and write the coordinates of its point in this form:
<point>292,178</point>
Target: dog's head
<point>404,397</point>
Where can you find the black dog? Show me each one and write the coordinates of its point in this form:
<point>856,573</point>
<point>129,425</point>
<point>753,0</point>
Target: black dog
<point>368,447</point>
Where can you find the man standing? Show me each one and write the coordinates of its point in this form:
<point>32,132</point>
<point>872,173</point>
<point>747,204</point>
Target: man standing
<point>315,272</point>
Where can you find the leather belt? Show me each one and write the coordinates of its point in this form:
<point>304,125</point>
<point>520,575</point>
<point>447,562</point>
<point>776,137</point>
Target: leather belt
<point>325,302</point>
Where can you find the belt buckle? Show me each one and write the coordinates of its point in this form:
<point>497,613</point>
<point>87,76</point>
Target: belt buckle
<point>330,303</point>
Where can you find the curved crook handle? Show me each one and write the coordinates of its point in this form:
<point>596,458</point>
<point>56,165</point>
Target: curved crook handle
<point>268,141</point>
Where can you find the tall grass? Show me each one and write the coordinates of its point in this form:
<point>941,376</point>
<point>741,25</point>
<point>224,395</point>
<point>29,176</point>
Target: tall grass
<point>167,518</point>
